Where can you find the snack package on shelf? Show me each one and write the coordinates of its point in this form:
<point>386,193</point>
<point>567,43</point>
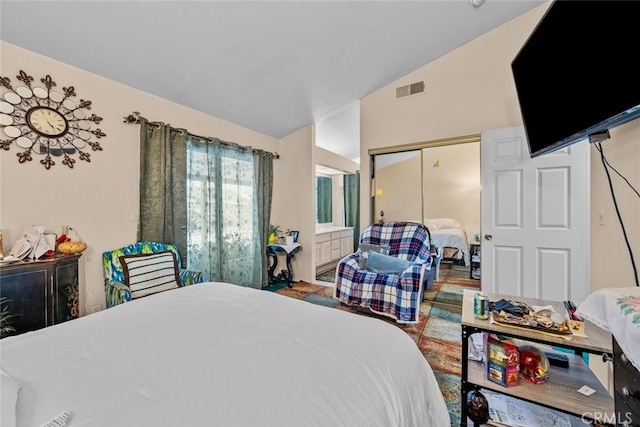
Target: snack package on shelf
<point>501,359</point>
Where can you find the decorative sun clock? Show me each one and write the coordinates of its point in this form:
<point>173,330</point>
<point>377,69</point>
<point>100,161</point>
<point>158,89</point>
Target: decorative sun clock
<point>40,120</point>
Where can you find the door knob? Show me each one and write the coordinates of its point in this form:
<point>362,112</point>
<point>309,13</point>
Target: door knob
<point>488,236</point>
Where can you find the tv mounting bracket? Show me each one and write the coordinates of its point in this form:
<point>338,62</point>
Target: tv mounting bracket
<point>599,136</point>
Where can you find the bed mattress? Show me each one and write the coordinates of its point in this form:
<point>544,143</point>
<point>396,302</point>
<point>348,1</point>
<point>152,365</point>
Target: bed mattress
<point>455,238</point>
<point>216,354</point>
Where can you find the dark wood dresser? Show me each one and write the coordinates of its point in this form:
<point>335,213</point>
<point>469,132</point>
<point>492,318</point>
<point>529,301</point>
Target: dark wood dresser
<point>626,382</point>
<point>40,293</point>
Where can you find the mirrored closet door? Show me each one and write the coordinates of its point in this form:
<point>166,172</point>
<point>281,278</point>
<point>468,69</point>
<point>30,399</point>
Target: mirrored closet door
<point>436,183</point>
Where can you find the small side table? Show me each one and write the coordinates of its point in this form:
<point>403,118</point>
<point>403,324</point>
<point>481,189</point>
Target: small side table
<point>474,253</point>
<point>272,254</point>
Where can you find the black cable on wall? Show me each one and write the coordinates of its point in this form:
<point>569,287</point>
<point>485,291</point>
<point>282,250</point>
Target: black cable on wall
<point>606,165</point>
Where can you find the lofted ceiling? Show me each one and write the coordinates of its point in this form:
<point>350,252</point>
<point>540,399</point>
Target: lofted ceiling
<point>270,66</point>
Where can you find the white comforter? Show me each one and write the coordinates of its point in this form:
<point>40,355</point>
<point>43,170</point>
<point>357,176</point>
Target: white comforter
<point>616,310</point>
<point>452,238</point>
<point>216,354</point>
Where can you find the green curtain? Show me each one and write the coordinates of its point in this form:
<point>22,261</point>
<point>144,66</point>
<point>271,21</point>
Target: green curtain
<point>323,199</point>
<point>263,165</point>
<point>352,205</point>
<point>214,212</point>
<point>223,212</point>
<point>163,182</point>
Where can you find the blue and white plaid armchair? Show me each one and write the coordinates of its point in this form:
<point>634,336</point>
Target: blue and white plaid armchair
<point>394,295</point>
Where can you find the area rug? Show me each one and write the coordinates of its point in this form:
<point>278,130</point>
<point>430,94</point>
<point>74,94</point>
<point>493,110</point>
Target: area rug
<point>452,281</point>
<point>437,333</point>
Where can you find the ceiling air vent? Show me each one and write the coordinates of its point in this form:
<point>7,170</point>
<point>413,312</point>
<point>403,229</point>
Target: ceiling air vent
<point>408,90</point>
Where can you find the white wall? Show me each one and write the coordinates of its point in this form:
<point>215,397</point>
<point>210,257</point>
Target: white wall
<point>334,161</point>
<point>470,90</point>
<point>296,208</point>
<point>339,131</point>
<point>466,91</point>
<point>99,198</point>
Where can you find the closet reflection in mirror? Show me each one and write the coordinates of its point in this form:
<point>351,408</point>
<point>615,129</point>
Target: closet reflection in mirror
<point>434,183</point>
<point>398,188</point>
<point>452,185</point>
<point>442,181</point>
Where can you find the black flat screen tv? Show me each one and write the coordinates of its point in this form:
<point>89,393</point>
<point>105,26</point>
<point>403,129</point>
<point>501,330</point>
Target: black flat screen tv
<point>577,74</point>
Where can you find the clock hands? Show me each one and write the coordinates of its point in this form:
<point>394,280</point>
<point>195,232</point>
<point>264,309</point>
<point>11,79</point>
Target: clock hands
<point>53,127</point>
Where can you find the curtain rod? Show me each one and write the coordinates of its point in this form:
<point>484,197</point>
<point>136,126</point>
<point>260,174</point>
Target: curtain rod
<point>135,119</point>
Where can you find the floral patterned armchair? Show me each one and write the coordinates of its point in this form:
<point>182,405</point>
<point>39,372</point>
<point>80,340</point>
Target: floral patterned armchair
<point>115,289</point>
<point>398,294</point>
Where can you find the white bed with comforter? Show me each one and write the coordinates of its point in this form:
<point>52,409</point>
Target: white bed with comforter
<point>216,354</point>
<point>448,233</point>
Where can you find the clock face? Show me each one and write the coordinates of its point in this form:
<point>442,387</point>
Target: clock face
<point>47,122</point>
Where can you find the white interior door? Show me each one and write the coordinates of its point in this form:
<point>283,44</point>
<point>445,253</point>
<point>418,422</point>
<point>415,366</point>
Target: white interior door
<point>535,218</point>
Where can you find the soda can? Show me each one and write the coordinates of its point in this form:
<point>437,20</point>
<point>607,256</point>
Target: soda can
<point>481,306</point>
<point>476,304</point>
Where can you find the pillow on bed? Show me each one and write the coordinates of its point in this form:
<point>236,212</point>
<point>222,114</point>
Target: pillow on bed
<point>365,248</point>
<point>147,274</point>
<point>431,224</point>
<point>445,223</point>
<point>386,264</point>
<point>10,388</point>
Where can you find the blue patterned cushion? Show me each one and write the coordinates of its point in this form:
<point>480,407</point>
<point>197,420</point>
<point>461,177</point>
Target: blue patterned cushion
<point>147,274</point>
<point>386,264</point>
<point>363,253</point>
